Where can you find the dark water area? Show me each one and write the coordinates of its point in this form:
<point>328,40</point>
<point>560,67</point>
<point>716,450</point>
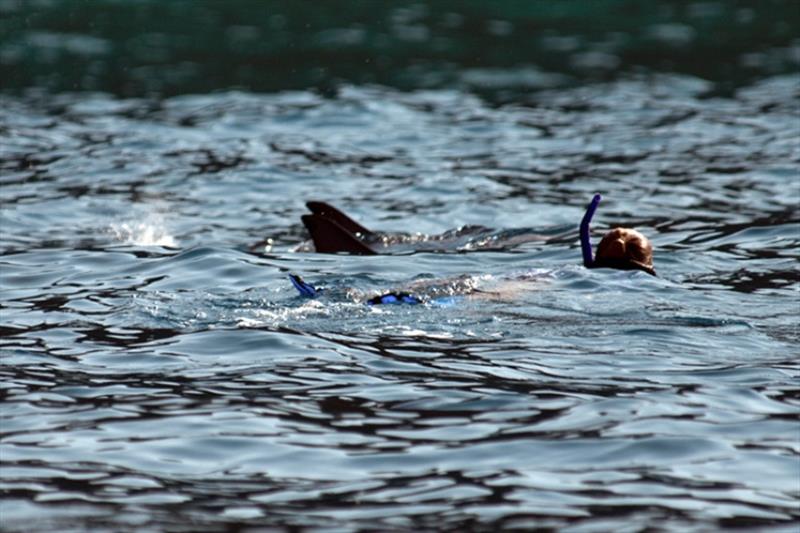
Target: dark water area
<point>500,49</point>
<point>160,373</point>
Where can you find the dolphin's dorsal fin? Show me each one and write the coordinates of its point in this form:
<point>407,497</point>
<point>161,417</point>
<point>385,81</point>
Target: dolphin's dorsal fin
<point>328,211</point>
<point>330,237</point>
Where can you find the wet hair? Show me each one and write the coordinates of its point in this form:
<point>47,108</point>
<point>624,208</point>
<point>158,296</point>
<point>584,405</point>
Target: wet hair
<point>625,249</point>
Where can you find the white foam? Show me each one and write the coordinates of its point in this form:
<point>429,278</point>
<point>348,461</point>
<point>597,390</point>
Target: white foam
<point>151,231</point>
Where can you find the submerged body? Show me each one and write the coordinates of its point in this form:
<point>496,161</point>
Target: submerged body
<point>440,292</point>
<point>332,231</point>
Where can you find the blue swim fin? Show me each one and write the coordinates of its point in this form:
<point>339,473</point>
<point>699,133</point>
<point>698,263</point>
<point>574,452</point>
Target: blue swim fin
<point>305,289</point>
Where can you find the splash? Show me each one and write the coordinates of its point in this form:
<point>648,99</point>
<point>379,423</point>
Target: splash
<point>151,231</point>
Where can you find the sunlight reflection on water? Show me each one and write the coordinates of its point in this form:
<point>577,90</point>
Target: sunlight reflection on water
<point>160,370</point>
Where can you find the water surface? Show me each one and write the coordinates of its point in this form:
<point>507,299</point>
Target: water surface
<point>159,371</point>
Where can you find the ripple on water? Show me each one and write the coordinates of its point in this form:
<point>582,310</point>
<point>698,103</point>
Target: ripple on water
<point>159,370</point>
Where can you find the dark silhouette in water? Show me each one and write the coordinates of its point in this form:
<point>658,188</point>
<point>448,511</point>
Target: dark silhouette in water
<point>332,232</point>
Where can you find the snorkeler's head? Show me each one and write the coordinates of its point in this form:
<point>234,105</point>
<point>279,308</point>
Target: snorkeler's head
<point>625,249</point>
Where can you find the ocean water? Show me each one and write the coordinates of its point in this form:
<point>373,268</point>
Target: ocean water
<point>159,372</point>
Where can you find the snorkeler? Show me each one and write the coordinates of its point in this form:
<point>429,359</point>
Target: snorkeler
<point>620,248</point>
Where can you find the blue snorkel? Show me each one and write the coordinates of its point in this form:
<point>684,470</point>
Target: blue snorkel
<point>586,243</point>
